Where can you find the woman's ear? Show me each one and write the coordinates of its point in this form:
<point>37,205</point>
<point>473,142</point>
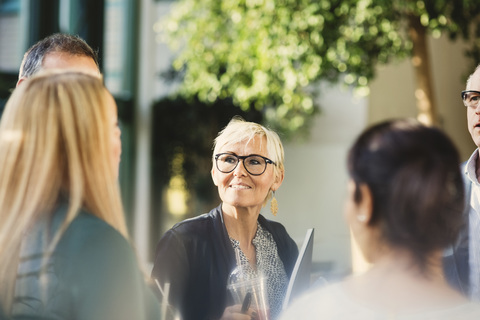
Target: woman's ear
<point>278,180</point>
<point>359,213</point>
<point>212,172</point>
<point>365,206</point>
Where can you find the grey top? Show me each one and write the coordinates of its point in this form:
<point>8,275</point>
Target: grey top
<point>332,302</point>
<point>269,265</point>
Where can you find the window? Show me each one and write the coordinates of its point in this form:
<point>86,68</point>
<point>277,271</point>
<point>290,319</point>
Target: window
<point>9,6</point>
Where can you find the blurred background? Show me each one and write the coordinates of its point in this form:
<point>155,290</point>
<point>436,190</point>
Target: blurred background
<point>317,72</point>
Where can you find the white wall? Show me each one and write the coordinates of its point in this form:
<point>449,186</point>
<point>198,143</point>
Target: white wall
<point>313,191</point>
<point>392,92</point>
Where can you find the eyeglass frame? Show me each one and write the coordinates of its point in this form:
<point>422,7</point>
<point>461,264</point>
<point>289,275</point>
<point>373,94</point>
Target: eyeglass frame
<point>267,161</point>
<point>464,93</point>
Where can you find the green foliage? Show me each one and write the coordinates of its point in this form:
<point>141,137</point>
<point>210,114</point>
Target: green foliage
<point>268,54</point>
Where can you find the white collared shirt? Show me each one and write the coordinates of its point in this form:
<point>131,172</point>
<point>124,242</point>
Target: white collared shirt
<point>474,227</point>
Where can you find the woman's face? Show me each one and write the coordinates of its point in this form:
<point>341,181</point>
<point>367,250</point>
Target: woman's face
<point>239,188</point>
<point>114,132</point>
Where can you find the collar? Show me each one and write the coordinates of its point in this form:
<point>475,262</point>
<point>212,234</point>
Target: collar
<point>470,167</point>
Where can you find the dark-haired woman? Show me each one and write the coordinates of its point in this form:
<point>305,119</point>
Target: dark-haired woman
<point>404,207</point>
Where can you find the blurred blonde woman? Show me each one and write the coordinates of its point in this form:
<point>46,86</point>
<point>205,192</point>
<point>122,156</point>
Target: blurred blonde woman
<point>63,240</point>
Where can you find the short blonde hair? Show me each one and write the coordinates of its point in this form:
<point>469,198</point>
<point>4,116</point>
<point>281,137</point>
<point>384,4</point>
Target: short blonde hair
<point>239,130</point>
<point>54,142</point>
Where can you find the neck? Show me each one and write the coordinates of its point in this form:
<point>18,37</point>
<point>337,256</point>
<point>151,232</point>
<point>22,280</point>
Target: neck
<point>241,225</point>
<point>403,262</point>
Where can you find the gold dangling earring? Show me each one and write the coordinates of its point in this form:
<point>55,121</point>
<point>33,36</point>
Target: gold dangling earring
<point>274,205</point>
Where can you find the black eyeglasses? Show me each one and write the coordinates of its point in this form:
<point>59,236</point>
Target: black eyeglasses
<point>471,98</point>
<point>254,164</point>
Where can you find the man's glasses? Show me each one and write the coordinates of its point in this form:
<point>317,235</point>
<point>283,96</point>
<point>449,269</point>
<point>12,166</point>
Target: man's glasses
<point>254,164</point>
<point>471,98</point>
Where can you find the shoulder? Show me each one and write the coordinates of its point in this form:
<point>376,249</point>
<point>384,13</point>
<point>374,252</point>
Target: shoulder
<point>271,225</point>
<point>183,237</point>
<point>90,224</point>
<point>91,242</point>
<point>470,310</point>
<point>92,254</point>
<point>194,239</point>
<point>193,224</point>
<point>87,228</point>
<point>325,302</point>
<point>199,225</point>
<point>333,292</point>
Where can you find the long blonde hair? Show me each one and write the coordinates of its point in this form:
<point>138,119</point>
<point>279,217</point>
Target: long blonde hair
<point>54,142</point>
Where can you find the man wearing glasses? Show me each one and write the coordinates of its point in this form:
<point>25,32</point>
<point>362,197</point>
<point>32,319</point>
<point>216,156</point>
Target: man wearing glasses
<point>462,263</point>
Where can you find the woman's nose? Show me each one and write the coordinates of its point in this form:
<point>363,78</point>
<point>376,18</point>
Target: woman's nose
<point>240,169</point>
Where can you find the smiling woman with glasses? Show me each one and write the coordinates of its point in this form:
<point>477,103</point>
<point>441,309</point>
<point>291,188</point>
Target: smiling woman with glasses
<point>196,256</point>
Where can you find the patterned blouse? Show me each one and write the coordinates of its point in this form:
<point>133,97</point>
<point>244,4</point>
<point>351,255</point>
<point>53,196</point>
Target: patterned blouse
<point>269,265</point>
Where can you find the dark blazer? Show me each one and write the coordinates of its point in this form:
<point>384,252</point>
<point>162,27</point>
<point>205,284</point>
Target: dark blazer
<point>196,258</point>
<point>455,260</point>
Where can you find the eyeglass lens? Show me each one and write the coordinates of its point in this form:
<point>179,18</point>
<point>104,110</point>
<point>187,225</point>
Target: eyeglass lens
<point>253,164</point>
<point>471,99</point>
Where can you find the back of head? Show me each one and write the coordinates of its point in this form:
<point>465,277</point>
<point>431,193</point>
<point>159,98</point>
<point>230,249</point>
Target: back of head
<point>54,143</point>
<point>414,177</point>
<point>59,42</point>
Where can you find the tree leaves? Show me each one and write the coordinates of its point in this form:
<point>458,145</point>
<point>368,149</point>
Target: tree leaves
<point>269,54</point>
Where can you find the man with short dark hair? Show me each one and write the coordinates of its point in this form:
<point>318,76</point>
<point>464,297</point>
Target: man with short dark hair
<point>59,51</point>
